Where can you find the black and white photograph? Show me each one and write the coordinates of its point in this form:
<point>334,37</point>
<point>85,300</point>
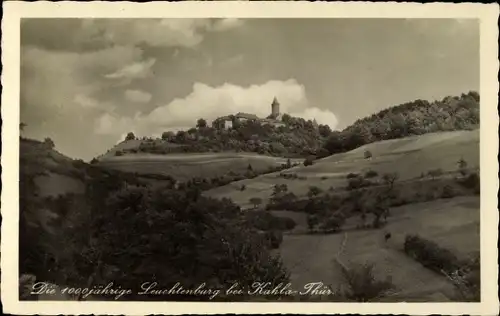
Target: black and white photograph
<point>250,159</point>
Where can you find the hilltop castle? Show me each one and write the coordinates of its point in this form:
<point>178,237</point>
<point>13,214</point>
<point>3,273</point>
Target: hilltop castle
<point>273,119</point>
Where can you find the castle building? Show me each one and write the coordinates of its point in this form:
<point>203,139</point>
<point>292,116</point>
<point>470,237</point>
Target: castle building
<point>273,119</point>
<point>275,108</point>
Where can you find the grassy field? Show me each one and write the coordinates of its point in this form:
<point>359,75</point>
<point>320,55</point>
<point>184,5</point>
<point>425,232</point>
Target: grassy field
<point>409,157</point>
<point>452,223</point>
<point>189,165</point>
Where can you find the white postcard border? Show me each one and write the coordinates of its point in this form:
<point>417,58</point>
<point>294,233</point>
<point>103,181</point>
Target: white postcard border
<point>15,10</point>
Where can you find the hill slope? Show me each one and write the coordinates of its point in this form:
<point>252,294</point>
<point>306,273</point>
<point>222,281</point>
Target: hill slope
<point>409,157</point>
<point>452,223</point>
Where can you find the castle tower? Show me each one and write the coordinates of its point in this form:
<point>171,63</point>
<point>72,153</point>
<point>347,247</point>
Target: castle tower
<point>275,108</point>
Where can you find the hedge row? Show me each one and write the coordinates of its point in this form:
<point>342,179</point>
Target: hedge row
<point>430,254</point>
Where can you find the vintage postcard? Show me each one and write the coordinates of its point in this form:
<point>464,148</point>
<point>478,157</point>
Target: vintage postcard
<point>249,157</point>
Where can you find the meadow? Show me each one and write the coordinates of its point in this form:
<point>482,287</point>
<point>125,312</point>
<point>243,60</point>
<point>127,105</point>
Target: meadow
<point>452,223</point>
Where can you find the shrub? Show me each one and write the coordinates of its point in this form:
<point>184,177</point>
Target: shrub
<point>333,224</point>
<point>430,255</point>
<point>472,181</point>
<point>367,154</point>
<point>130,136</point>
<point>371,174</point>
<point>312,222</point>
<point>435,173</point>
<point>390,178</point>
<point>467,279</point>
<point>308,162</point>
<point>274,238</point>
<point>357,183</point>
<point>243,187</point>
<point>266,221</point>
<point>352,175</point>
<point>314,191</point>
<point>256,201</point>
<point>448,192</point>
<point>118,153</point>
<point>362,285</point>
<point>94,161</point>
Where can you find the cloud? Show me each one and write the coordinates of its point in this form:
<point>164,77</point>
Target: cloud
<point>137,96</point>
<point>235,60</point>
<point>68,80</point>
<point>227,24</point>
<point>321,116</point>
<point>85,101</point>
<point>136,70</point>
<point>211,102</point>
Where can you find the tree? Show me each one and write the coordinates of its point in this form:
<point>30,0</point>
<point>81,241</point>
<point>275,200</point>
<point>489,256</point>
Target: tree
<point>313,191</point>
<point>390,178</point>
<point>333,223</point>
<point>130,136</point>
<point>288,163</point>
<point>308,162</point>
<point>435,173</point>
<point>181,136</point>
<point>279,189</point>
<point>462,166</point>
<point>167,135</point>
<point>49,143</point>
<point>312,222</point>
<point>256,201</point>
<point>249,168</point>
<point>367,154</point>
<point>201,123</point>
<point>324,130</point>
<point>286,118</point>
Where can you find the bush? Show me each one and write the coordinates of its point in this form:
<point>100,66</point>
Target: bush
<point>266,221</point>
<point>308,162</point>
<point>435,173</point>
<point>371,174</point>
<point>274,239</point>
<point>333,224</point>
<point>367,154</point>
<point>472,181</point>
<point>352,175</point>
<point>357,183</point>
<point>430,255</point>
<point>312,222</point>
<point>448,192</point>
<point>118,153</point>
<point>243,187</point>
<point>362,285</point>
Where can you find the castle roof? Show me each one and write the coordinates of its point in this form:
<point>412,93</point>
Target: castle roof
<point>275,101</point>
<point>247,116</point>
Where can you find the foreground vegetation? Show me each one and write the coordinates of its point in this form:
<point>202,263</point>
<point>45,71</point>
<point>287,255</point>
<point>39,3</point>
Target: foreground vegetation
<point>169,235</point>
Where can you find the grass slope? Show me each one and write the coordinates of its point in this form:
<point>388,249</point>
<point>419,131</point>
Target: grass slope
<point>408,156</point>
<point>453,223</point>
<point>185,166</point>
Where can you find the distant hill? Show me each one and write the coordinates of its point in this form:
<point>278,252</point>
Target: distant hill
<point>296,138</point>
<point>300,138</point>
<point>412,118</point>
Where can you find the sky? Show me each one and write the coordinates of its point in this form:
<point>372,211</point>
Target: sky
<point>85,83</point>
